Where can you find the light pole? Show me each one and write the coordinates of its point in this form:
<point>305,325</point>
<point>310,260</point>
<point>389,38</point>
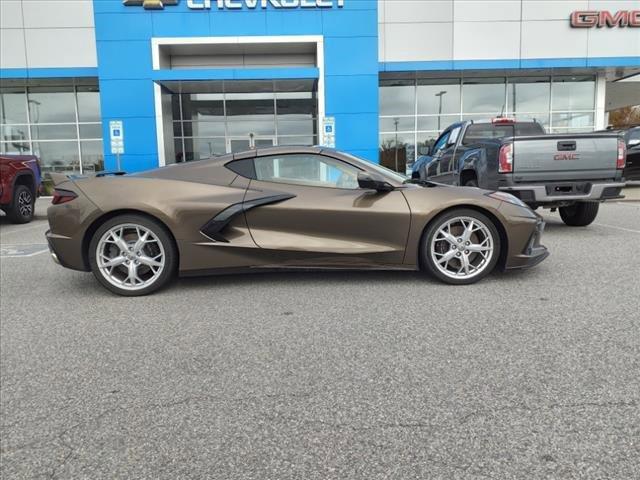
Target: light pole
<point>395,123</point>
<point>439,95</point>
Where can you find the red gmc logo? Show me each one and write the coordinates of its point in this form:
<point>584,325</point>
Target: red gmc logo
<point>604,18</point>
<point>567,156</point>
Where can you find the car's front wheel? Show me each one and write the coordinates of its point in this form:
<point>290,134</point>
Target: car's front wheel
<point>132,255</point>
<point>460,247</point>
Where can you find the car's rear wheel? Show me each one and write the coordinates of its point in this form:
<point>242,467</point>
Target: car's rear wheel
<point>132,255</point>
<point>460,247</point>
<point>22,206</point>
<point>579,214</point>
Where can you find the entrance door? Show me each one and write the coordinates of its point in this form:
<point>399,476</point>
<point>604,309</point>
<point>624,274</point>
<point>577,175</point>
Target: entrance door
<point>242,144</point>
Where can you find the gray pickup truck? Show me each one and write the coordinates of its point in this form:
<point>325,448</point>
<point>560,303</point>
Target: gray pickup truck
<point>572,173</point>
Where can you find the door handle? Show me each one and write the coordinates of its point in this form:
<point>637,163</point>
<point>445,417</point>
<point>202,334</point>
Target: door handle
<point>567,146</point>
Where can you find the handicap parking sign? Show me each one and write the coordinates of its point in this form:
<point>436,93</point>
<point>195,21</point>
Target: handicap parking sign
<point>329,132</point>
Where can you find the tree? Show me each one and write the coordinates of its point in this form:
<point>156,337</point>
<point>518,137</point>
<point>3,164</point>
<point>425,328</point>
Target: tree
<point>625,117</point>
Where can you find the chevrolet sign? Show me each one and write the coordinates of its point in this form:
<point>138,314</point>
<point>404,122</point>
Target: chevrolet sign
<point>236,4</point>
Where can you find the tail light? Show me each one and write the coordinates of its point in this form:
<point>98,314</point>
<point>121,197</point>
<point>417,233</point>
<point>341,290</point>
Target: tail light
<point>62,196</point>
<point>505,158</point>
<point>622,155</point>
<point>503,121</point>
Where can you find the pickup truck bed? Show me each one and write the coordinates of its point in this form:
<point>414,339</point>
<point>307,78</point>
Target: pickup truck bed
<point>571,172</point>
<point>549,170</point>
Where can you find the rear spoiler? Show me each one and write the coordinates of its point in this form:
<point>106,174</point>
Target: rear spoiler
<point>58,178</point>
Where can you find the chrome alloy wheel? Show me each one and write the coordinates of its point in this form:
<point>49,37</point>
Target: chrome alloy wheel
<point>462,247</point>
<point>25,203</point>
<point>130,256</point>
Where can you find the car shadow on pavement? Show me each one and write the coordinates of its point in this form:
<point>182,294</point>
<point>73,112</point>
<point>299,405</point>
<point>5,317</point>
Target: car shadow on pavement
<point>303,277</point>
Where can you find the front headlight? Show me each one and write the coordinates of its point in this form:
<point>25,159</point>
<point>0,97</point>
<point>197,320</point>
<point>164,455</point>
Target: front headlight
<point>507,197</point>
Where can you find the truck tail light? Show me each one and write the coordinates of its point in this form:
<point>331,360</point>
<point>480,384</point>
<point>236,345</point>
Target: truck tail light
<point>622,155</point>
<point>503,121</point>
<point>505,158</point>
<point>62,196</point>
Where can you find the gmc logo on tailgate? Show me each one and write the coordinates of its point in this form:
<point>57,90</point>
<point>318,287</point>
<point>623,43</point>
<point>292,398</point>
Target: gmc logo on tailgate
<point>566,156</point>
<point>604,18</point>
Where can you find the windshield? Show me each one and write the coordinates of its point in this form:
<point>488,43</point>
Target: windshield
<point>485,131</point>
<point>384,171</point>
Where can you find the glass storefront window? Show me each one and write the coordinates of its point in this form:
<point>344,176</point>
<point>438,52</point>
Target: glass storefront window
<point>48,127</point>
<point>296,105</point>
<point>397,150</point>
<point>88,104</point>
<point>91,131</point>
<point>438,96</point>
<point>203,129</point>
<point>528,94</point>
<point>203,107</point>
<point>300,127</point>
<point>15,133</point>
<point>573,120</point>
<point>307,141</point>
<point>201,148</point>
<point>51,105</point>
<point>401,124</point>
<point>13,106</point>
<point>92,155</point>
<point>58,156</point>
<point>573,93</point>
<point>397,98</point>
<point>437,122</point>
<point>53,132</point>
<point>275,112</point>
<point>16,147</point>
<point>558,103</point>
<point>484,96</point>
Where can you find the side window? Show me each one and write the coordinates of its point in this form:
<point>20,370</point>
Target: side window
<point>453,137</point>
<point>441,143</point>
<point>306,169</point>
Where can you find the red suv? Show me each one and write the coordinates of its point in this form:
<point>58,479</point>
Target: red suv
<point>20,179</point>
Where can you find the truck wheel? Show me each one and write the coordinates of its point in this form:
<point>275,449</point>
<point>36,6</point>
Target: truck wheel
<point>579,214</point>
<point>21,210</point>
<point>472,182</point>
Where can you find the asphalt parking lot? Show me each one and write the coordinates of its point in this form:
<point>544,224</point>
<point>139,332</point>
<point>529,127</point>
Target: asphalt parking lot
<point>529,374</point>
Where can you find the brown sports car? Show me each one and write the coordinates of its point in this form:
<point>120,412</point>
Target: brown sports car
<point>283,207</point>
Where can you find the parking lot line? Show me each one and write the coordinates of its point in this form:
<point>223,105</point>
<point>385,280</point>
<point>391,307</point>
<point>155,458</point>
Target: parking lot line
<point>25,229</point>
<point>617,228</point>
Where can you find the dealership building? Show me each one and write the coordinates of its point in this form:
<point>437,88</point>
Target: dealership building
<point>92,84</point>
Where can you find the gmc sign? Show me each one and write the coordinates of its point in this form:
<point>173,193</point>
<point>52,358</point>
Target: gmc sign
<point>604,18</point>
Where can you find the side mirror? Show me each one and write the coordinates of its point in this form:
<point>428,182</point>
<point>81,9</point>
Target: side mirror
<point>371,182</point>
<point>633,143</point>
<point>424,151</point>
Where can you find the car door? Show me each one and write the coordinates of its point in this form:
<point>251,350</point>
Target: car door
<point>435,170</point>
<point>326,219</point>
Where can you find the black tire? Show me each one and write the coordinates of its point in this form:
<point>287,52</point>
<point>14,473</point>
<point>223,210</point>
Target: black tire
<point>472,182</point>
<point>22,205</point>
<point>164,237</point>
<point>579,214</point>
<point>428,263</point>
